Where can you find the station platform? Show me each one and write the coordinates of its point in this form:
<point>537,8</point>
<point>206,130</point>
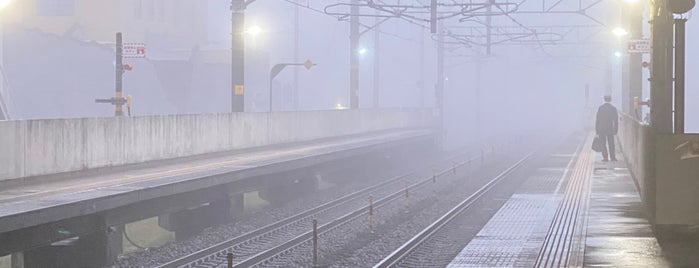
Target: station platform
<point>575,211</point>
<point>37,201</point>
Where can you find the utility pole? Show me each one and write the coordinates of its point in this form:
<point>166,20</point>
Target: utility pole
<point>632,70</point>
<point>661,64</point>
<point>238,55</point>
<point>421,101</point>
<point>118,100</point>
<point>479,106</point>
<point>439,90</point>
<point>296,57</point>
<point>377,60</point>
<point>489,27</point>
<point>118,106</point>
<point>679,74</point>
<point>354,54</point>
<point>635,60</point>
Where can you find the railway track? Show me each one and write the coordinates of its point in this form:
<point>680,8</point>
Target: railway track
<point>274,239</point>
<point>418,246</point>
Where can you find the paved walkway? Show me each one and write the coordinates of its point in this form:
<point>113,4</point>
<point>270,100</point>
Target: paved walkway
<point>75,195</point>
<point>574,212</point>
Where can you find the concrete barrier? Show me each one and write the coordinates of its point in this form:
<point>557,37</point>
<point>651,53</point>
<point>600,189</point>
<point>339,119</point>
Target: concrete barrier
<point>40,147</point>
<point>637,145</point>
<point>668,183</point>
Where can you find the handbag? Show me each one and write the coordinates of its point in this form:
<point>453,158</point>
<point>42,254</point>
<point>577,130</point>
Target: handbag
<point>598,144</point>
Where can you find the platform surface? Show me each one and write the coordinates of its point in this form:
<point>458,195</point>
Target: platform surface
<point>575,211</point>
<point>49,200</point>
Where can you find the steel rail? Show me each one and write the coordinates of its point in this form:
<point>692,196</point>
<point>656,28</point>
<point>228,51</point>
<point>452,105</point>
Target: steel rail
<point>221,249</point>
<point>400,254</point>
<point>298,241</point>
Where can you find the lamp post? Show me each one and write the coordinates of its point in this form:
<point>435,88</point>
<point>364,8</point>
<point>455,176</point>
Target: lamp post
<point>354,54</point>
<point>3,106</point>
<point>662,63</point>
<point>278,69</point>
<point>631,67</point>
<point>680,7</point>
<point>238,54</point>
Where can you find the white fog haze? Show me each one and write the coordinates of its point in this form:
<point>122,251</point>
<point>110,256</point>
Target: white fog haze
<point>348,133</point>
<point>58,72</point>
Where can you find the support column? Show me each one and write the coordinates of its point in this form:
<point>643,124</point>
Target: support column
<point>101,248</point>
<point>478,104</point>
<point>439,89</point>
<point>421,101</point>
<point>189,222</point>
<point>17,260</point>
<point>679,74</point>
<point>354,55</point>
<point>632,70</point>
<point>635,60</point>
<point>297,31</point>
<point>237,205</point>
<point>661,63</point>
<point>626,99</point>
<point>377,60</point>
<point>237,56</point>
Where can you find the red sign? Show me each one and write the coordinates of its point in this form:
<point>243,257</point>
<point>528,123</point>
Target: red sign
<point>134,50</point>
<point>639,46</point>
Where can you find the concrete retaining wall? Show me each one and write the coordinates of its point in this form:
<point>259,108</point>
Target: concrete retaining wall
<point>669,185</point>
<point>677,181</point>
<point>41,147</point>
<point>637,145</point>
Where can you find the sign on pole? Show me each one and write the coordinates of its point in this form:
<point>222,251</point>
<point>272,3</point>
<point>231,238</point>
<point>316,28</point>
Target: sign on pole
<point>134,50</point>
<point>638,46</point>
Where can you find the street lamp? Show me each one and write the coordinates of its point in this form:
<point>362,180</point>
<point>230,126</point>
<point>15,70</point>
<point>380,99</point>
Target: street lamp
<point>4,3</point>
<point>254,31</point>
<point>278,69</point>
<point>237,54</point>
<point>618,54</point>
<point>618,31</point>
<point>362,51</point>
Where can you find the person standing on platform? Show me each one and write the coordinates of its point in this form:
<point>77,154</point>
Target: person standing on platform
<point>607,126</point>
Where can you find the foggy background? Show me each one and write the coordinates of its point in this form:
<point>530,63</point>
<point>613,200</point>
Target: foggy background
<point>56,61</point>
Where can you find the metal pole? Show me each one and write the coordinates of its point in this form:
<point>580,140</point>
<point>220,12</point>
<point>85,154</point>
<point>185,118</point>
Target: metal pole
<point>635,76</point>
<point>679,74</point>
<point>661,62</point>
<point>354,55</point>
<point>488,27</point>
<point>118,107</point>
<point>439,92</point>
<point>625,68</point>
<point>296,57</point>
<point>421,101</point>
<point>377,60</point>
<point>271,79</point>
<point>237,56</point>
<point>478,113</point>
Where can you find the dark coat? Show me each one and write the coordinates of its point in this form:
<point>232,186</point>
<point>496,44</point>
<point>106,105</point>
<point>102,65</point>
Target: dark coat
<point>607,122</point>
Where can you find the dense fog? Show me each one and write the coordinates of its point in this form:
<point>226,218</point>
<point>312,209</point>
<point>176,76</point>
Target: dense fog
<point>532,76</point>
